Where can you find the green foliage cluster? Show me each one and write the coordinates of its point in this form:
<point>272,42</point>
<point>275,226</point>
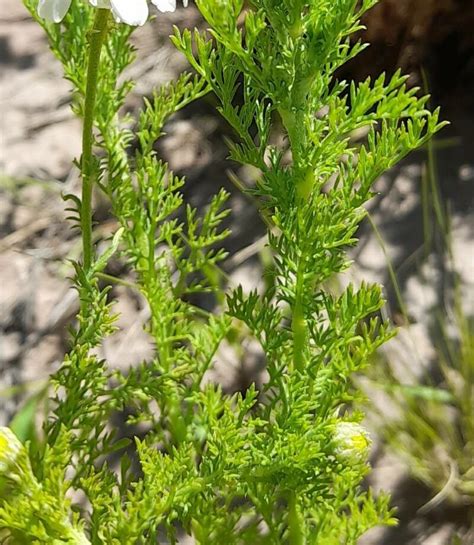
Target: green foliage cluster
<point>263,467</point>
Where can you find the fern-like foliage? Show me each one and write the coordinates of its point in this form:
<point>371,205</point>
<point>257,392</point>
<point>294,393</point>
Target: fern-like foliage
<point>275,466</point>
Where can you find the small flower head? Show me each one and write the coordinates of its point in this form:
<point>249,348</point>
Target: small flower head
<point>131,12</point>
<point>352,440</point>
<point>15,466</point>
<point>10,449</point>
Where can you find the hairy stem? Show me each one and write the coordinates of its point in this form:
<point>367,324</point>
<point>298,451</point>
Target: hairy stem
<point>97,38</point>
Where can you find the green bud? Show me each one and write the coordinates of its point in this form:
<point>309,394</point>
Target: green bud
<point>352,440</point>
<point>10,451</point>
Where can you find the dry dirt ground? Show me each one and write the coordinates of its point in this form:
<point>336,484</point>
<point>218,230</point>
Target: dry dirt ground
<point>40,138</point>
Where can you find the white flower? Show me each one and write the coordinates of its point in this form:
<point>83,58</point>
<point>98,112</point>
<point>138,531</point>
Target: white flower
<point>132,12</point>
<point>352,440</point>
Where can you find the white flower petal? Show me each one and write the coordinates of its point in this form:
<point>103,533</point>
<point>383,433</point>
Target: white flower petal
<point>53,10</point>
<point>165,5</point>
<point>133,13</point>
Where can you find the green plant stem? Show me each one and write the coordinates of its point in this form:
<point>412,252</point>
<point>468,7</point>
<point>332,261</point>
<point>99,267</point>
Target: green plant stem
<point>304,180</point>
<point>296,533</point>
<point>298,322</point>
<point>97,39</point>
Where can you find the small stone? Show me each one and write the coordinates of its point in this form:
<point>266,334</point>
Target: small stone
<point>10,347</point>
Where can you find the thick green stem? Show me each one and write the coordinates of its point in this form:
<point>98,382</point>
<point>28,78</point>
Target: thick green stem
<point>97,38</point>
<point>304,179</point>
<point>296,533</point>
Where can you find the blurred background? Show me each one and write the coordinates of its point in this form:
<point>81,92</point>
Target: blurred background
<point>417,241</point>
